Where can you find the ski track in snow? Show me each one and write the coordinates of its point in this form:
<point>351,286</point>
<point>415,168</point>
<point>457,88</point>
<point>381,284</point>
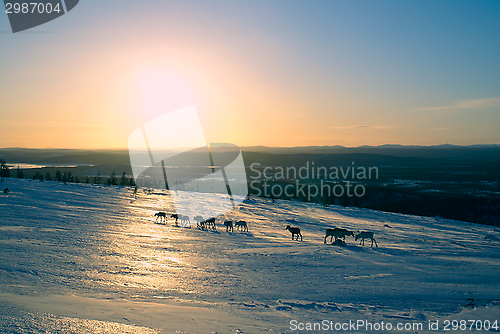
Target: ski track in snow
<point>85,258</point>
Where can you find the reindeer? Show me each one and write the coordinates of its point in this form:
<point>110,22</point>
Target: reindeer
<point>242,224</point>
<point>210,222</point>
<point>294,231</point>
<point>338,233</point>
<point>198,220</point>
<point>184,221</point>
<point>176,216</point>
<point>229,225</point>
<point>161,215</point>
<point>365,235</point>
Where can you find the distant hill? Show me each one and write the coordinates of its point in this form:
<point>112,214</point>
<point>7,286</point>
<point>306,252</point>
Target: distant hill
<point>121,157</point>
<point>65,156</point>
<point>472,152</point>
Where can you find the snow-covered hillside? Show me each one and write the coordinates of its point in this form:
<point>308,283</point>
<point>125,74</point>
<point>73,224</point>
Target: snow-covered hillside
<point>91,259</point>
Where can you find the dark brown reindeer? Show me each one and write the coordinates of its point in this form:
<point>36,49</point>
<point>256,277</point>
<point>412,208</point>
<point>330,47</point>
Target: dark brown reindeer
<point>229,225</point>
<point>210,222</point>
<point>161,215</point>
<point>241,224</point>
<point>176,216</point>
<point>338,233</point>
<point>294,231</point>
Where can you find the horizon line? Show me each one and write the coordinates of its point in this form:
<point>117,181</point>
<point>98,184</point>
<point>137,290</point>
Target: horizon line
<point>262,146</point>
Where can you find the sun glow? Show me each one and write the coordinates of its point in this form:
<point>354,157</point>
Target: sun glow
<point>160,91</point>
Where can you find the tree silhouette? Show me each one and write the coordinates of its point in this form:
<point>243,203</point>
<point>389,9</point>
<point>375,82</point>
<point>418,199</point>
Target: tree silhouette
<point>48,177</point>
<point>20,173</point>
<point>112,179</point>
<point>4,170</point>
<point>58,176</point>
<point>131,182</point>
<point>123,179</point>
<point>97,179</point>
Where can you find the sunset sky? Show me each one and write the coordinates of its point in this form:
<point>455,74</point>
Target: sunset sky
<point>273,73</point>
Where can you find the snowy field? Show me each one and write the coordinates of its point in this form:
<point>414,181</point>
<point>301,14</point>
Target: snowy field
<point>78,258</point>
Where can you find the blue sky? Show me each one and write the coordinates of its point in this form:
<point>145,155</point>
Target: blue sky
<point>274,73</point>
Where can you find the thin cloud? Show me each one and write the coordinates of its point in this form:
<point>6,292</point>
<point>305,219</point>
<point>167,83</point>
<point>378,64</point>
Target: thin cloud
<point>83,125</point>
<point>466,104</point>
<point>349,127</point>
<point>68,124</point>
<point>375,127</point>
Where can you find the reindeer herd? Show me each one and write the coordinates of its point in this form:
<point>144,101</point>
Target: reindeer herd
<point>338,233</point>
<point>201,223</point>
<point>209,224</point>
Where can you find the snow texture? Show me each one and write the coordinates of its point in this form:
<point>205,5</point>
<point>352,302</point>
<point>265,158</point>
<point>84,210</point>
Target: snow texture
<point>79,258</point>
